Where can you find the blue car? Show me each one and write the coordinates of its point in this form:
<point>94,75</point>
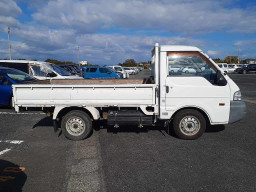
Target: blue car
<point>99,73</point>
<point>8,77</point>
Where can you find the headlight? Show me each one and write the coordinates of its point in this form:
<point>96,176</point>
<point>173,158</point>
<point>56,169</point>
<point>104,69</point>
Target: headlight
<point>237,96</point>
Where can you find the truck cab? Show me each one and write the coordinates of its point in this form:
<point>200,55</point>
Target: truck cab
<point>183,95</point>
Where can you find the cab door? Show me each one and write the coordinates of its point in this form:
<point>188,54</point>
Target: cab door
<point>196,88</point>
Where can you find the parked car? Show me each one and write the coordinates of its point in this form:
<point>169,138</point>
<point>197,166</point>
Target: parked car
<point>246,69</point>
<point>188,69</point>
<point>129,70</point>
<point>100,73</point>
<point>135,69</point>
<point>119,69</point>
<point>174,68</point>
<point>38,69</point>
<point>232,68</point>
<point>8,77</point>
<point>223,66</point>
<point>71,69</point>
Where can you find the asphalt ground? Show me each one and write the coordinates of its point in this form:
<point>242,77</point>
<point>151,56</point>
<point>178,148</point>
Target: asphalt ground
<point>34,158</point>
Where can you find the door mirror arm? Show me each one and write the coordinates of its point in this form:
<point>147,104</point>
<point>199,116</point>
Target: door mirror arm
<point>220,80</point>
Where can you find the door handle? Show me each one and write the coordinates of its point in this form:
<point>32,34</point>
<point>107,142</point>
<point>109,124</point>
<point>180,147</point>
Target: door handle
<point>167,89</point>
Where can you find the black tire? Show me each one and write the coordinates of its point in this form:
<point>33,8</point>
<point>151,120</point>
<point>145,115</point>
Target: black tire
<point>193,129</point>
<point>76,125</point>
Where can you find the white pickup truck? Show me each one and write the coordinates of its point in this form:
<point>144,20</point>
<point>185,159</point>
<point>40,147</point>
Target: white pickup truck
<point>188,102</point>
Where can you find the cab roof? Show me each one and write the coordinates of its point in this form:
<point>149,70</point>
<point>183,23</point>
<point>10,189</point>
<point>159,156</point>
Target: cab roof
<point>178,48</point>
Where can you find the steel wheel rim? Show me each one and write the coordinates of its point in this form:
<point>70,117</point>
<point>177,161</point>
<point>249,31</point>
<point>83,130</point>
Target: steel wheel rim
<point>75,126</point>
<point>189,125</point>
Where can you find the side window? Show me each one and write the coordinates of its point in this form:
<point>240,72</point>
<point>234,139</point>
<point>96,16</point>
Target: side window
<point>103,70</point>
<point>91,70</point>
<point>4,81</point>
<point>36,70</point>
<point>191,64</point>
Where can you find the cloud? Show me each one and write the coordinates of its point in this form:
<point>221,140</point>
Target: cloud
<point>9,8</point>
<point>121,47</point>
<point>43,43</point>
<point>250,42</point>
<point>44,38</point>
<point>184,16</point>
<point>212,53</point>
<point>8,11</point>
<point>98,27</point>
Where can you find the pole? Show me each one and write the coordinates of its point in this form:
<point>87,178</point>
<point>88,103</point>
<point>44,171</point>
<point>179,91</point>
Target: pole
<point>9,43</point>
<point>78,55</point>
<point>238,56</point>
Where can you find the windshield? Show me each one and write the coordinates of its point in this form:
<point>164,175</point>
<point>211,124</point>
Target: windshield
<point>18,76</point>
<point>105,70</point>
<point>60,70</point>
<point>72,69</point>
<point>76,68</point>
<point>191,64</point>
<point>118,68</point>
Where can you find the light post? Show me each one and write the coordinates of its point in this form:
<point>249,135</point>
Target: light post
<point>9,44</point>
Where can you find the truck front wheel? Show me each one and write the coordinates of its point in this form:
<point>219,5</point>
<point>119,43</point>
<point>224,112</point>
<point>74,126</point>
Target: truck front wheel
<point>189,124</point>
<point>76,125</point>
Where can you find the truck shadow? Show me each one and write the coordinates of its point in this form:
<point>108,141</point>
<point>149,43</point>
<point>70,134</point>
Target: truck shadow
<point>129,128</point>
<point>164,130</point>
<point>45,122</point>
<point>97,125</point>
<point>214,128</point>
<point>12,177</point>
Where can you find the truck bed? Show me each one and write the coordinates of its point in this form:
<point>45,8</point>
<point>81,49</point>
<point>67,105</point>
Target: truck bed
<point>95,92</point>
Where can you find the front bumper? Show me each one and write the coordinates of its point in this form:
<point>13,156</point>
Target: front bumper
<point>237,111</point>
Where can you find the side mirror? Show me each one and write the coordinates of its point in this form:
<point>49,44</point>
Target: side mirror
<point>220,80</point>
<point>52,74</point>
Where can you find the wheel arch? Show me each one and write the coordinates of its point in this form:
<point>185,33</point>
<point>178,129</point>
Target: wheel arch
<point>61,111</point>
<point>199,109</point>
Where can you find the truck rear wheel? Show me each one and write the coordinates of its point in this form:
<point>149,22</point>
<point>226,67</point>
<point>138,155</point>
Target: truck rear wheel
<point>76,125</point>
<point>189,124</point>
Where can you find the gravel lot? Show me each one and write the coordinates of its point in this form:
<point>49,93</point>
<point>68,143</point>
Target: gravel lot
<point>223,159</point>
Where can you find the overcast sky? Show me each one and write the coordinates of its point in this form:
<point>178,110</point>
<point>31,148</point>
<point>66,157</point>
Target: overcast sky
<point>110,31</point>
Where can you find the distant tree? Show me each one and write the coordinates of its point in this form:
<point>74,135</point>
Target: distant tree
<point>218,60</point>
<point>129,63</point>
<point>54,61</point>
<point>231,59</point>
